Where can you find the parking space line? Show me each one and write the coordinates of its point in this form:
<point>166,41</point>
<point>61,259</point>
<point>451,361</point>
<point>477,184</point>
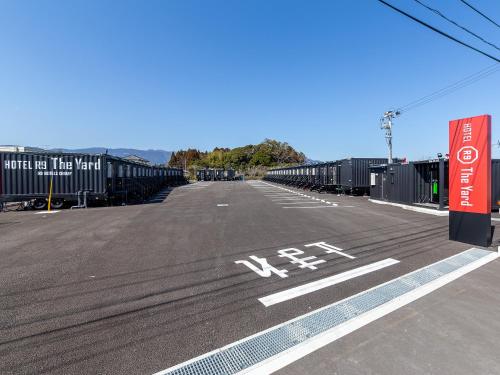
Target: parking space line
<point>47,212</point>
<point>301,290</point>
<point>290,199</point>
<point>302,202</point>
<point>332,206</point>
<point>281,195</point>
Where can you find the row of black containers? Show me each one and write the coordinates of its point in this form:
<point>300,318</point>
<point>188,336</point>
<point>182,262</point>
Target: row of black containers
<point>215,174</point>
<point>95,178</point>
<point>350,175</point>
<point>422,183</point>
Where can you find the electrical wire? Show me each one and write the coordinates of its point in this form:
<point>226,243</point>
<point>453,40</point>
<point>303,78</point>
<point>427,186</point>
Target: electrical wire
<point>438,31</point>
<point>451,88</point>
<point>482,14</point>
<point>435,11</point>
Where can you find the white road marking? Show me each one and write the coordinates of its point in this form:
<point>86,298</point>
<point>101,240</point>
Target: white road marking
<point>302,202</point>
<point>301,350</point>
<point>291,253</point>
<point>266,269</point>
<point>47,212</point>
<point>284,198</point>
<point>281,195</point>
<point>301,290</point>
<point>330,249</point>
<point>222,205</point>
<point>289,199</point>
<point>332,206</point>
<point>320,340</point>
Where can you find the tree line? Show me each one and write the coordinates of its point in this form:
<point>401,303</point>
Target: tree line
<point>252,160</point>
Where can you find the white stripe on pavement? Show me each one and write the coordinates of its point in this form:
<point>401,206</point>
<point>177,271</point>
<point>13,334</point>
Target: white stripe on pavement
<point>298,202</point>
<point>332,206</point>
<point>320,340</point>
<point>300,290</point>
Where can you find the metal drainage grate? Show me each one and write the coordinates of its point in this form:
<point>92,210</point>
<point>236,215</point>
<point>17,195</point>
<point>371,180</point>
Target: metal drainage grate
<point>249,352</point>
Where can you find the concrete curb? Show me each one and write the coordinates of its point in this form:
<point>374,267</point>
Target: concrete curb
<point>423,210</point>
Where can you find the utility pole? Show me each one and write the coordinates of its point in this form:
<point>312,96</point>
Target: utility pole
<point>386,123</point>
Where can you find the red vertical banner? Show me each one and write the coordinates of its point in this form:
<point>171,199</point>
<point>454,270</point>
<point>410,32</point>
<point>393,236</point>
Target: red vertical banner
<point>470,165</point>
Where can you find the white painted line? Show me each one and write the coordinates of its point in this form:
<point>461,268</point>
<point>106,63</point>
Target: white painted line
<point>301,290</point>
<point>222,205</point>
<point>47,212</point>
<point>280,195</point>
<point>287,196</point>
<point>292,202</point>
<point>332,206</point>
<point>299,351</point>
<point>289,199</point>
<point>302,202</point>
<point>318,341</point>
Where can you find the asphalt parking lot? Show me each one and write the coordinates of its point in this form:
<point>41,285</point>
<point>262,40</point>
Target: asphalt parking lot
<point>139,289</point>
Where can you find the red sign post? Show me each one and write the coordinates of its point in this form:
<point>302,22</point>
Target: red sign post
<point>470,180</point>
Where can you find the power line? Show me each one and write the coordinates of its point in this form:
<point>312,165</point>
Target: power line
<point>456,24</point>
<point>482,14</point>
<point>451,88</point>
<point>439,31</point>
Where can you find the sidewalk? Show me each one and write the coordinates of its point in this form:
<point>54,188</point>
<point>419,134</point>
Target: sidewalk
<point>454,330</point>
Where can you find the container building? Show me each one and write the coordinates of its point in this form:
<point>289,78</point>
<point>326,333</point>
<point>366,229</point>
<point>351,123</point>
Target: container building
<point>421,183</point>
<point>32,176</point>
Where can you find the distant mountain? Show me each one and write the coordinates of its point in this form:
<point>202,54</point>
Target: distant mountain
<point>154,156</point>
<point>310,161</point>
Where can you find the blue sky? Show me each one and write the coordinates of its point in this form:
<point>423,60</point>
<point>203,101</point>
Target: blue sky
<point>177,74</point>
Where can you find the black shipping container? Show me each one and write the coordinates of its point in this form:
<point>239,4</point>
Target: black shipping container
<point>355,173</point>
<point>26,176</point>
<point>347,174</point>
<point>495,184</point>
<point>333,173</point>
<point>420,183</point>
<point>215,174</point>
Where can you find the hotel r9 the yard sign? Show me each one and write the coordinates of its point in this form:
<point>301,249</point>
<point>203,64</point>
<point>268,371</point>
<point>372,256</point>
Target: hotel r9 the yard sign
<point>470,180</point>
